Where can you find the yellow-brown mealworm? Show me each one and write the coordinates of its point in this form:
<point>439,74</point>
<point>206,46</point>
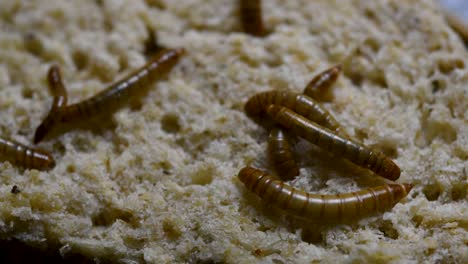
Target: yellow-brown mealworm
<point>339,208</point>
<point>109,99</point>
<point>319,87</point>
<point>326,139</point>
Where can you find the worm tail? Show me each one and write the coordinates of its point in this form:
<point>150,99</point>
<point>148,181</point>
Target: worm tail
<point>282,155</point>
<point>319,87</point>
<point>251,16</point>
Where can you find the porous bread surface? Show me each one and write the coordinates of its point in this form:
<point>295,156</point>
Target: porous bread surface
<point>160,185</point>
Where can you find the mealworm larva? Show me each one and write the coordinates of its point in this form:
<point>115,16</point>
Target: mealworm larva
<point>281,154</point>
<point>319,87</point>
<point>458,25</point>
<point>111,98</point>
<point>299,103</point>
<point>21,155</point>
<point>251,16</point>
<point>326,139</point>
<point>344,207</point>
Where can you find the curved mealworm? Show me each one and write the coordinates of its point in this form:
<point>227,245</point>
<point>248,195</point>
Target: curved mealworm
<point>109,99</point>
<point>299,103</point>
<point>319,87</point>
<point>349,149</point>
<point>21,155</point>
<point>344,207</point>
<point>281,154</point>
<point>251,16</point>
<point>458,25</point>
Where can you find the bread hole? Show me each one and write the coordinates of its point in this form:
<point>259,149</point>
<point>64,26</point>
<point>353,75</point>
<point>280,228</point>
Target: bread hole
<point>171,230</point>
<point>379,79</point>
<point>449,65</point>
<point>203,175</point>
<point>33,44</point>
<point>388,230</point>
<point>417,220</point>
<point>372,44</point>
<point>432,191</point>
<point>59,147</point>
<point>71,168</point>
<point>156,3</point>
<point>249,61</point>
<point>356,79</point>
<point>134,242</point>
<point>165,166</point>
<point>361,134</point>
<point>369,14</point>
<point>459,191</point>
<point>264,252</point>
<point>278,261</point>
<point>80,59</point>
<point>461,152</point>
<point>27,93</point>
<point>438,85</point>
<point>439,129</point>
<point>107,216</point>
<point>83,144</point>
<point>170,123</point>
<point>389,150</point>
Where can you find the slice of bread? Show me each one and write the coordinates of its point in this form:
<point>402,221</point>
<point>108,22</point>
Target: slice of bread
<point>159,184</point>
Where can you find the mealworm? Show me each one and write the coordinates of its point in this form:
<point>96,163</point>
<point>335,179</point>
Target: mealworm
<point>109,99</point>
<point>458,25</point>
<point>21,155</point>
<point>299,103</point>
<point>251,16</point>
<point>281,154</point>
<point>326,139</point>
<point>319,87</point>
<point>344,207</point>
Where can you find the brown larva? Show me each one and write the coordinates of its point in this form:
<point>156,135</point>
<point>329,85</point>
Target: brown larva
<point>281,154</point>
<point>299,103</point>
<point>109,99</point>
<point>458,25</point>
<point>319,87</point>
<point>23,156</point>
<point>338,208</point>
<point>251,16</point>
<point>326,139</point>
<point>280,149</point>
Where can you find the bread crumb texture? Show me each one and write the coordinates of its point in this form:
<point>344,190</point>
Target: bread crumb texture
<point>159,184</point>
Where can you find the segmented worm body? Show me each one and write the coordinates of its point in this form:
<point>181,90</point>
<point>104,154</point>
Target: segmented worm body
<point>344,207</point>
<point>319,87</point>
<point>21,155</point>
<point>251,16</point>
<point>282,155</point>
<point>299,103</point>
<point>326,139</point>
<point>279,145</point>
<point>458,25</point>
<point>109,99</point>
